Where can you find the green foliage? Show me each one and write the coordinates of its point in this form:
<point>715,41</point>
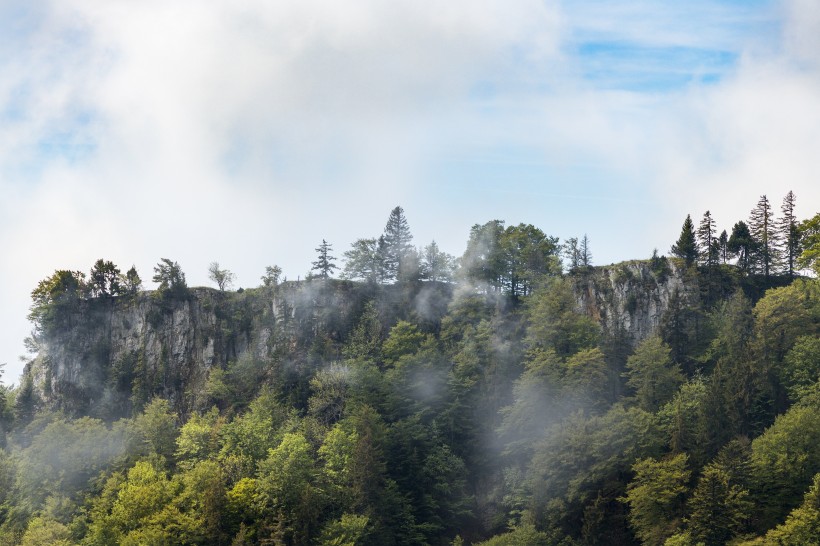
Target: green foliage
<point>651,374</point>
<point>522,535</point>
<point>801,367</point>
<point>555,322</point>
<point>345,531</point>
<point>719,508</point>
<point>511,259</point>
<point>802,526</point>
<point>810,239</point>
<point>105,279</point>
<point>171,279</point>
<point>367,422</point>
<point>656,496</point>
<point>686,247</point>
<point>222,277</point>
<point>785,458</point>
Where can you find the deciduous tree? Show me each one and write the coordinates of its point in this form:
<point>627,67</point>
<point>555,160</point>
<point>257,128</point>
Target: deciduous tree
<point>222,277</point>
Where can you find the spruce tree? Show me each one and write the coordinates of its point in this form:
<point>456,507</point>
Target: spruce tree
<point>761,227</point>
<point>788,234</point>
<point>742,246</point>
<point>324,264</point>
<point>584,253</point>
<point>723,247</point>
<point>707,250</point>
<point>397,238</point>
<point>686,247</point>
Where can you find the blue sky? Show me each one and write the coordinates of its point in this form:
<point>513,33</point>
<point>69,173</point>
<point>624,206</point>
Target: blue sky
<point>246,134</point>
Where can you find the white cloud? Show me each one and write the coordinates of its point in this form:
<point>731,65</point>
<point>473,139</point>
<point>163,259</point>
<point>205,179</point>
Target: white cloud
<point>245,132</point>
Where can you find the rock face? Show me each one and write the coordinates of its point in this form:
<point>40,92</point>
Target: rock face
<point>631,298</point>
<point>110,355</point>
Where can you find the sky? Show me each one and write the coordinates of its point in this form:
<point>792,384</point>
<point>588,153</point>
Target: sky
<point>245,132</point>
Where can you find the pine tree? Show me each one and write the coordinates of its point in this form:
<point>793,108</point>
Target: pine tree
<point>788,234</point>
<point>572,253</point>
<point>397,238</point>
<point>723,247</point>
<point>584,253</point>
<point>686,247</point>
<point>707,250</point>
<point>761,227</point>
<point>324,265</point>
<point>742,246</point>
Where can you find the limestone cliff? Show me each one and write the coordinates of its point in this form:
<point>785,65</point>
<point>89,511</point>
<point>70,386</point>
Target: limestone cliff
<point>111,354</point>
<point>631,298</point>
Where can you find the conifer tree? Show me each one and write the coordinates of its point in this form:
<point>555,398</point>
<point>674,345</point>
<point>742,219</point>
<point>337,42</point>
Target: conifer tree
<point>723,247</point>
<point>572,253</point>
<point>686,247</point>
<point>324,264</point>
<point>397,238</point>
<point>707,250</point>
<point>788,234</point>
<point>584,253</point>
<point>742,246</point>
<point>761,227</point>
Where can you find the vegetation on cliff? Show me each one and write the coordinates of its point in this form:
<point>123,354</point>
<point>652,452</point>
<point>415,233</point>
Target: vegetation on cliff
<point>424,403</point>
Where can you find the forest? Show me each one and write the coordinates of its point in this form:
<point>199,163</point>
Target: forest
<point>503,411</point>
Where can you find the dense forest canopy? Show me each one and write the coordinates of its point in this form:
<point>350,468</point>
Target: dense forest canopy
<point>501,412</point>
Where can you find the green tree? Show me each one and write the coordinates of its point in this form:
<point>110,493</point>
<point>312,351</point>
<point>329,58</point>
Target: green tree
<point>397,239</point>
<point>131,282</point>
<point>707,249</point>
<point>55,297</point>
<point>287,490</point>
<point>788,234</point>
<point>324,262</point>
<point>271,277</point>
<point>801,367</point>
<point>810,241</point>
<point>105,279</point>
<point>170,277</point>
<point>43,531</point>
<point>651,374</point>
<point>719,507</point>
<point>554,320</point>
<point>743,246</point>
<point>222,277</point>
<point>365,260</point>
<point>762,229</point>
<point>723,247</point>
<point>436,265</point>
<point>155,430</point>
<point>686,247</point>
<point>802,526</point>
<point>572,253</point>
<point>656,498</point>
<point>784,461</point>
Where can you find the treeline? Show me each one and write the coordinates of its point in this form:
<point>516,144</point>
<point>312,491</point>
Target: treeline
<point>512,419</point>
<point>765,245</point>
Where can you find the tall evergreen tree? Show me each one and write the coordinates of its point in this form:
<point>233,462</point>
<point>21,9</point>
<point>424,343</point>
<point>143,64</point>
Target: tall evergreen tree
<point>571,253</point>
<point>723,247</point>
<point>584,253</point>
<point>742,246</point>
<point>707,250</point>
<point>397,238</point>
<point>788,234</point>
<point>762,229</point>
<point>324,264</point>
<point>686,247</point>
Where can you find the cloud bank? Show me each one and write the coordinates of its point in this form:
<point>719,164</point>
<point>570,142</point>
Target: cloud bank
<point>246,132</point>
